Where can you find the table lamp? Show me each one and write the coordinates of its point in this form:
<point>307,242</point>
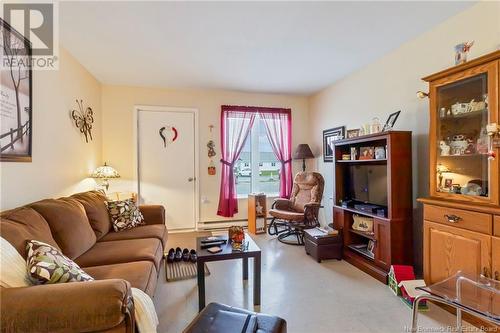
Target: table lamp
<point>105,172</point>
<point>301,153</point>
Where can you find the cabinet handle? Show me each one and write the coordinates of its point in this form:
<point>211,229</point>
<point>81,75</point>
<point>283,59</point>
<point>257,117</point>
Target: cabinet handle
<point>452,218</point>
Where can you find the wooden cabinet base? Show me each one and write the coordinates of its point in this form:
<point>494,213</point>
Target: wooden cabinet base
<point>364,265</point>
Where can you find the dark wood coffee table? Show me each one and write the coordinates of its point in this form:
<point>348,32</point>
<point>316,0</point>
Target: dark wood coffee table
<point>227,253</point>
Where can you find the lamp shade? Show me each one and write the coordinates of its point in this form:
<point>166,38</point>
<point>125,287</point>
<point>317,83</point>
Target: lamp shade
<point>106,172</point>
<point>302,151</point>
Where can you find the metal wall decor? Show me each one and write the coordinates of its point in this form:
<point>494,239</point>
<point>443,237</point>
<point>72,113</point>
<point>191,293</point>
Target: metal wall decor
<point>83,118</point>
<point>171,131</point>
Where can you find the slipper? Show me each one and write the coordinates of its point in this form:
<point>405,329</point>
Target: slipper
<point>193,256</point>
<point>185,255</point>
<point>178,254</point>
<point>171,255</point>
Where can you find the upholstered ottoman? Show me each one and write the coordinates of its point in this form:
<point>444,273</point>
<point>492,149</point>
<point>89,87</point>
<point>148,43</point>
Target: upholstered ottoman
<point>206,321</point>
<point>322,247</point>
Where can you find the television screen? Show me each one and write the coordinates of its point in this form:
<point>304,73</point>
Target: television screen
<point>368,184</point>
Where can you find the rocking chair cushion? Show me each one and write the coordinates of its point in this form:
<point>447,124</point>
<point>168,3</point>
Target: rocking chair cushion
<point>286,215</point>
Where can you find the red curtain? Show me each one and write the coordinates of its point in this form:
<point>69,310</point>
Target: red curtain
<point>236,123</point>
<point>278,130</point>
<point>235,127</point>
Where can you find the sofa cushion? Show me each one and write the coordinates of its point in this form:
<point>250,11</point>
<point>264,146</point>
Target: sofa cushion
<point>22,224</point>
<point>140,274</point>
<point>69,225</point>
<point>122,251</point>
<point>94,203</point>
<point>124,214</point>
<point>46,264</point>
<point>158,231</point>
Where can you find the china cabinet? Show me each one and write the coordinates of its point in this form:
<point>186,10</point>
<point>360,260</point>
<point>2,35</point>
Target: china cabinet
<point>462,213</point>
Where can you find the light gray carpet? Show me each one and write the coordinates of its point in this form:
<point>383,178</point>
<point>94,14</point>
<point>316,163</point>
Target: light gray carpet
<point>331,297</point>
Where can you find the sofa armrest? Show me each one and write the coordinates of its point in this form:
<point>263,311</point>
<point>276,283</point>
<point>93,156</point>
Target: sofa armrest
<point>282,204</point>
<point>153,214</point>
<point>67,307</point>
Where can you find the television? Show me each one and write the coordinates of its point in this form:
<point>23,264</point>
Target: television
<point>367,184</point>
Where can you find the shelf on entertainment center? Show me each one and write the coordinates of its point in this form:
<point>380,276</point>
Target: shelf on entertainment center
<point>363,234</point>
<point>360,212</point>
<point>363,161</point>
<point>363,251</point>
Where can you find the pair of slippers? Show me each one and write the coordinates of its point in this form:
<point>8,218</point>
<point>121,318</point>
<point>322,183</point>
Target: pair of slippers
<point>184,255</point>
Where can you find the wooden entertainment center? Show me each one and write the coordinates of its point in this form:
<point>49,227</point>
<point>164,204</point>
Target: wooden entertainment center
<point>391,238</point>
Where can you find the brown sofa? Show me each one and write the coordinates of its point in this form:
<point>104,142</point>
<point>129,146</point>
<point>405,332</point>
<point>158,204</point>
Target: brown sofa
<point>80,227</point>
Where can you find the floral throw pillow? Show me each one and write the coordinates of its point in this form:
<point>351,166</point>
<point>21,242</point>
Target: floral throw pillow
<point>46,264</point>
<point>124,214</point>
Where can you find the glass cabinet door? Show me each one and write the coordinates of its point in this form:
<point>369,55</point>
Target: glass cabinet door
<point>463,163</point>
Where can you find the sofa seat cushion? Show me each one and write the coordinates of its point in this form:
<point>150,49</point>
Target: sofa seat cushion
<point>20,225</point>
<point>158,231</point>
<point>69,225</point>
<point>94,203</point>
<point>140,274</point>
<point>122,251</point>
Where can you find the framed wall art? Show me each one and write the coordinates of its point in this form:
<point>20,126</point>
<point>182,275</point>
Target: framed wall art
<point>16,96</point>
<point>389,124</point>
<point>329,137</point>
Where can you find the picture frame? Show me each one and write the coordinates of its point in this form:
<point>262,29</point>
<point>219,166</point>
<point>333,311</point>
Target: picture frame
<point>367,153</point>
<point>448,183</point>
<point>380,153</point>
<point>391,120</point>
<point>371,246</point>
<point>16,113</point>
<point>352,133</point>
<point>329,136</point>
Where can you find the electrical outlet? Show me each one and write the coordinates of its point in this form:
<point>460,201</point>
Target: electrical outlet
<point>204,200</point>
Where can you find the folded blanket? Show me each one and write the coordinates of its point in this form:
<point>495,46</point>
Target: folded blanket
<point>13,268</point>
<point>14,273</point>
<point>145,313</point>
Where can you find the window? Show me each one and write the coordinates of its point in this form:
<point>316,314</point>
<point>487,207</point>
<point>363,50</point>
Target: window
<point>257,169</point>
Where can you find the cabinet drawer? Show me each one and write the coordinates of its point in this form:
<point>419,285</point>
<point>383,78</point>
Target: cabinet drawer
<point>465,219</point>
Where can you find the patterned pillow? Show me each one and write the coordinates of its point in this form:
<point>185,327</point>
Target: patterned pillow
<point>124,214</point>
<point>46,264</point>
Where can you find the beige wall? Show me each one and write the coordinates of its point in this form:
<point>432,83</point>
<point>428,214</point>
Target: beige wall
<point>61,158</point>
<point>118,147</point>
<point>389,84</point>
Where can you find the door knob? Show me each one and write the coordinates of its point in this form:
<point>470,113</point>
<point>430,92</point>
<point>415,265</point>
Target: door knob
<point>190,179</point>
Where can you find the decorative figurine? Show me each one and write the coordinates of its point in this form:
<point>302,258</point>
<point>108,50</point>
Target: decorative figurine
<point>461,51</point>
<point>445,149</point>
<point>471,147</point>
<point>375,126</point>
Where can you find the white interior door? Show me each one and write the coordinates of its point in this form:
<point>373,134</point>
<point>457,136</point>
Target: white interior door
<point>167,163</point>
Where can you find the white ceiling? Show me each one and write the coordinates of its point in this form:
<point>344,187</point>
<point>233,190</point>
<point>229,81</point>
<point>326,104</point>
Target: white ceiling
<point>276,47</point>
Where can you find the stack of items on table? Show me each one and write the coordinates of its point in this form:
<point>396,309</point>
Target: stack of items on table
<point>403,283</point>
